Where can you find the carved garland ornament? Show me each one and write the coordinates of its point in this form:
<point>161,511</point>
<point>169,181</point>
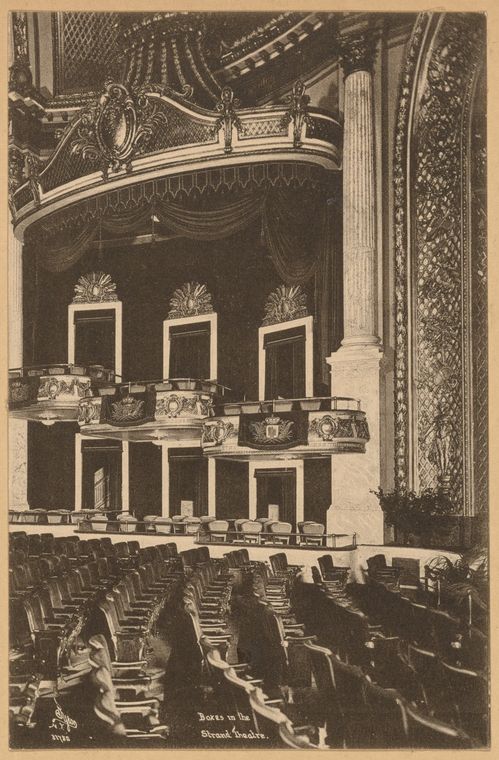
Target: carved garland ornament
<point>95,287</point>
<point>285,303</point>
<point>190,300</point>
<point>117,127</point>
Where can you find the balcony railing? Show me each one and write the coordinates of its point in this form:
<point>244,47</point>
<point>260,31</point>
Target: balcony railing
<point>281,427</point>
<point>51,393</point>
<point>172,408</point>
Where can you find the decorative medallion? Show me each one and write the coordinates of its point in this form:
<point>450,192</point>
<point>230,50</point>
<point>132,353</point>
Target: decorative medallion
<point>216,432</point>
<point>128,409</point>
<point>190,300</point>
<point>284,304</point>
<point>52,387</point>
<point>272,430</point>
<point>95,287</point>
<point>117,127</point>
<point>298,111</point>
<point>325,427</point>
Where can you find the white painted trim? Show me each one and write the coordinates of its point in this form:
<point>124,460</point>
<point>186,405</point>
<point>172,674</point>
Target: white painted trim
<point>308,324</point>
<point>115,306</point>
<point>272,464</point>
<point>198,318</point>
<point>78,471</point>
<point>125,476</point>
<point>125,472</point>
<point>212,484</point>
<point>165,481</point>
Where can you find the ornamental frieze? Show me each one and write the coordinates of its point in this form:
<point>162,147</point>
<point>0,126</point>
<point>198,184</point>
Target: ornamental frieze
<point>53,387</point>
<point>174,405</point>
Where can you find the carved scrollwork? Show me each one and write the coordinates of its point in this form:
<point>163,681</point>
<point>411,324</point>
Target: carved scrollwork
<point>117,127</point>
<point>298,111</point>
<point>325,427</point>
<point>216,432</point>
<point>190,300</point>
<point>33,165</point>
<point>52,387</point>
<point>16,174</point>
<point>95,287</point>
<point>89,410</point>
<point>285,303</point>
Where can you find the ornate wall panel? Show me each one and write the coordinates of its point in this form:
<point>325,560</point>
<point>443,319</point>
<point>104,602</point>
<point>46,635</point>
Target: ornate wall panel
<point>438,326</point>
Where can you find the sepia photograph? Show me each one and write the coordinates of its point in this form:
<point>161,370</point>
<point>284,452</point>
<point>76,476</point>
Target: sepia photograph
<point>248,420</point>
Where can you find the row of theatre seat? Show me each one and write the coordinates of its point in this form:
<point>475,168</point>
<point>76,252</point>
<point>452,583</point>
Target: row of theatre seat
<point>428,665</point>
<point>310,665</point>
<point>83,615</point>
<point>209,528</point>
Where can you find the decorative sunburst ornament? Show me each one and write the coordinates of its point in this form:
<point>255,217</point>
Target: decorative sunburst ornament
<point>285,303</point>
<point>190,300</point>
<point>95,287</point>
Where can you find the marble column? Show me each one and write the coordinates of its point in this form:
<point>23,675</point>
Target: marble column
<point>18,429</point>
<point>357,368</point>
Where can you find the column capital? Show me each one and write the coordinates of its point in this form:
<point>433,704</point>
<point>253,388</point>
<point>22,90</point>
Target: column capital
<point>357,51</point>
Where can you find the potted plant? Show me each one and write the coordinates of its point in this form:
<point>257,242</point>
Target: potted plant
<point>462,583</point>
<point>427,518</point>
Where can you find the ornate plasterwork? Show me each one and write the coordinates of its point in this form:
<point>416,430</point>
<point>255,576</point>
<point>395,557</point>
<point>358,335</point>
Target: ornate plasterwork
<point>174,405</point>
<point>285,303</point>
<point>298,111</point>
<point>53,387</point>
<point>16,173</point>
<point>432,267</point>
<point>95,287</point>
<point>357,51</point>
<point>228,117</point>
<point>216,432</point>
<point>190,300</point>
<point>117,127</point>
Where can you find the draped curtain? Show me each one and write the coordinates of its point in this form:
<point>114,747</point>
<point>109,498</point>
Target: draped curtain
<point>296,229</point>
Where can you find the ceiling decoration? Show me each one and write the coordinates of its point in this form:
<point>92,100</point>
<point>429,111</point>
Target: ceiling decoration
<point>169,48</point>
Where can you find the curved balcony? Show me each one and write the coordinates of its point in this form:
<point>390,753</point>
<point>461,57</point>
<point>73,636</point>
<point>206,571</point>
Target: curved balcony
<point>286,429</point>
<point>129,139</point>
<point>172,409</point>
<point>51,393</point>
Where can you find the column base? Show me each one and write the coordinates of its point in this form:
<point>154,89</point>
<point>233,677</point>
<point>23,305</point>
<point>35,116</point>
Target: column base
<point>366,523</point>
<point>358,371</point>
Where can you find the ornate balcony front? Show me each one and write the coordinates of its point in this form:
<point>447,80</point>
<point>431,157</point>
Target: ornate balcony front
<point>286,429</point>
<point>52,393</point>
<point>172,409</point>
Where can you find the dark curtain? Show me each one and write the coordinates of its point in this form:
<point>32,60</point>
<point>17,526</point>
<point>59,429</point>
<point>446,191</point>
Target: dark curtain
<point>297,228</point>
<point>277,488</point>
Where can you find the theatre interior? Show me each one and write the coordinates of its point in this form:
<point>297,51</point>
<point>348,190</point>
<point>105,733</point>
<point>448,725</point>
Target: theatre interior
<point>247,385</point>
